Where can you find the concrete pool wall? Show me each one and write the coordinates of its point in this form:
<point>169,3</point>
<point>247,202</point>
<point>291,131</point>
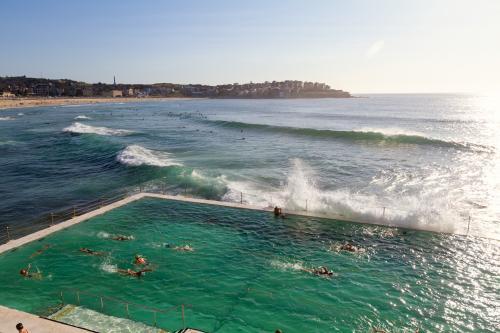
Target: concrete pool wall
<point>47,231</point>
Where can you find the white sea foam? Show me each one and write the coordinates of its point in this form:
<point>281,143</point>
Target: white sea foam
<point>135,155</point>
<point>87,129</point>
<point>108,267</point>
<point>283,265</point>
<point>82,117</point>
<point>390,131</point>
<point>20,114</point>
<point>416,209</point>
<point>103,234</point>
<point>6,118</point>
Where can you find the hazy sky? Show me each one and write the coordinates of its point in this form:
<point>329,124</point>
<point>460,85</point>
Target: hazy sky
<point>359,46</point>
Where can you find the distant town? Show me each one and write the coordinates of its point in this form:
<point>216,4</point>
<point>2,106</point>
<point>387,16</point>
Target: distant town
<point>22,86</point>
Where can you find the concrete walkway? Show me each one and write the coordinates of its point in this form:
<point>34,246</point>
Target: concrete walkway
<point>10,317</point>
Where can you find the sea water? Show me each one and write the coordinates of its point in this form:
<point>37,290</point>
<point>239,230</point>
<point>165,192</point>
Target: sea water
<point>427,162</point>
<point>422,161</point>
<point>247,273</point>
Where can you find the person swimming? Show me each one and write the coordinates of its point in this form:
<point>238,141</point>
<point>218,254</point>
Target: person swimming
<point>122,238</point>
<point>140,260</point>
<point>349,247</point>
<point>130,272</point>
<point>184,248</point>
<point>25,272</point>
<point>320,271</point>
<point>91,252</point>
<point>40,251</point>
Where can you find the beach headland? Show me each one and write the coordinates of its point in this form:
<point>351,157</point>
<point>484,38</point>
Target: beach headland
<point>10,103</point>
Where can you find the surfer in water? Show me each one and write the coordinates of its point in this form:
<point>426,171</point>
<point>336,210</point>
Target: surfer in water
<point>133,273</point>
<point>91,252</point>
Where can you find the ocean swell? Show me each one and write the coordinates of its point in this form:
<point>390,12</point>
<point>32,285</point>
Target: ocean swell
<point>392,136</point>
<point>87,129</point>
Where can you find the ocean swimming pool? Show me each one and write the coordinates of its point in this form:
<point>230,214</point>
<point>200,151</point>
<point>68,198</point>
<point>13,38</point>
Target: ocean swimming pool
<point>245,273</point>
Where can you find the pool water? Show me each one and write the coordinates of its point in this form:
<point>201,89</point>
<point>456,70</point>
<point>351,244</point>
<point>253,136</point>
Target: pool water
<point>245,273</point>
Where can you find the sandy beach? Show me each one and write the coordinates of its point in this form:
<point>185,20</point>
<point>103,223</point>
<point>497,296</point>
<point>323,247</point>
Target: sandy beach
<point>33,102</point>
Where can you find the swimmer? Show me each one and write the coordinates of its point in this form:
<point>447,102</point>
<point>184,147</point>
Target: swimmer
<point>185,248</point>
<point>122,238</point>
<point>91,252</point>
<point>320,271</point>
<point>25,272</point>
<point>349,247</point>
<point>137,274</point>
<point>140,260</point>
<point>376,330</point>
<point>40,251</point>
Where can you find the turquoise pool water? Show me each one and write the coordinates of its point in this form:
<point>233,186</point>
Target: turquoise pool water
<point>245,275</point>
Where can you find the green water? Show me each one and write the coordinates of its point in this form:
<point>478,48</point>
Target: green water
<point>245,273</point>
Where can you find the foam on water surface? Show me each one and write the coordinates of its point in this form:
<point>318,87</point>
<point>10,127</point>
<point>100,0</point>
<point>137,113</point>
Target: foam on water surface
<point>87,129</point>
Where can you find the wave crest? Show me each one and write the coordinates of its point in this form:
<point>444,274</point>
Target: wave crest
<point>87,129</point>
<point>135,155</point>
<point>389,135</point>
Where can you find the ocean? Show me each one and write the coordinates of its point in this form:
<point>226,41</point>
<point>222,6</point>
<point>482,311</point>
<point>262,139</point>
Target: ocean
<point>427,162</point>
<point>418,161</point>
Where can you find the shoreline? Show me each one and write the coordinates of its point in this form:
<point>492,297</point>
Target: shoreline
<point>15,103</point>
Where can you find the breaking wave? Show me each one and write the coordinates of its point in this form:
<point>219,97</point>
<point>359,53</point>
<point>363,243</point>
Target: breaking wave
<point>82,117</point>
<point>7,118</point>
<point>135,155</point>
<point>424,211</point>
<point>87,129</point>
<point>389,135</point>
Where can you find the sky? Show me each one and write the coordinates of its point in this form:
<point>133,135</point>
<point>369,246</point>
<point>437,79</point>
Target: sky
<point>360,46</point>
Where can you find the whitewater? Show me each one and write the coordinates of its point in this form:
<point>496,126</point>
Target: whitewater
<point>426,162</point>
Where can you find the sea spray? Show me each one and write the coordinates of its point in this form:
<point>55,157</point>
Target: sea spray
<point>372,204</point>
<point>287,265</point>
<point>108,267</point>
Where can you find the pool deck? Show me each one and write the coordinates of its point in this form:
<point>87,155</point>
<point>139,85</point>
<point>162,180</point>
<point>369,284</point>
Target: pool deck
<point>10,317</point>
